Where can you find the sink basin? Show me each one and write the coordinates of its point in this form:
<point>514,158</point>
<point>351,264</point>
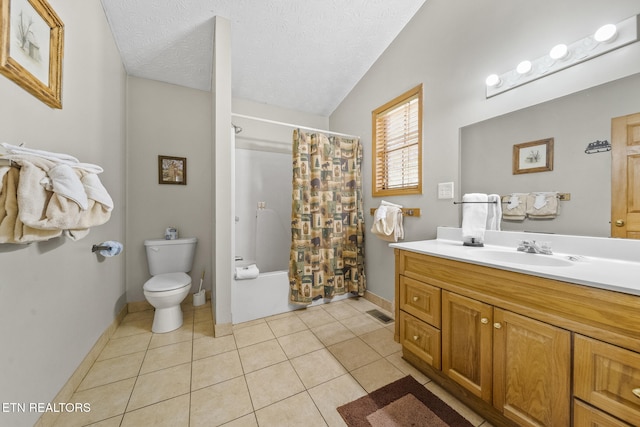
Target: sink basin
<point>524,258</point>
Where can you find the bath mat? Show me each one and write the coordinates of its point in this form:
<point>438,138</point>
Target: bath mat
<point>402,403</point>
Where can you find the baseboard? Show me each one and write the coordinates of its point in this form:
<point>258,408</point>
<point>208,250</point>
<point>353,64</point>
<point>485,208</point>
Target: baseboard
<point>48,419</point>
<point>379,301</point>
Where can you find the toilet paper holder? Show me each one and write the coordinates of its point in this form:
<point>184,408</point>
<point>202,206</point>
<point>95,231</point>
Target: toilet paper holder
<point>96,248</point>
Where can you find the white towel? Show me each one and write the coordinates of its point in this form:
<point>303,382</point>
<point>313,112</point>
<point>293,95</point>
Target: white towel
<point>96,191</point>
<point>55,157</point>
<point>474,217</point>
<point>387,222</point>
<point>248,272</point>
<point>66,182</point>
<point>494,212</point>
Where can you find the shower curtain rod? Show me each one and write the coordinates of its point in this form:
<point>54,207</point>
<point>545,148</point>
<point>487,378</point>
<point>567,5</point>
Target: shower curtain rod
<point>274,122</point>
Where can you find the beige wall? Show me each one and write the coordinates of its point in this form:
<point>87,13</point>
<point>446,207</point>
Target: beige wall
<point>169,120</point>
<point>56,297</point>
<point>451,47</point>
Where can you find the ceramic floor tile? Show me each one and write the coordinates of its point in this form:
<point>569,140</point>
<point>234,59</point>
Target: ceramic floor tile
<point>381,340</point>
<point>286,325</point>
<point>220,403</point>
<point>125,345</point>
<point>300,343</point>
<point>253,334</point>
<point>167,356</point>
<point>248,323</point>
<point>377,374</point>
<point>297,410</point>
<point>168,413</point>
<point>333,333</point>
<point>209,346</point>
<point>272,384</point>
<point>112,370</point>
<point>203,329</point>
<point>317,367</point>
<point>337,392</point>
<point>109,422</point>
<point>341,310</point>
<point>315,318</point>
<point>362,324</point>
<point>454,403</point>
<point>138,315</point>
<point>396,360</point>
<point>361,304</point>
<point>215,369</point>
<point>261,355</point>
<point>203,314</point>
<point>246,421</point>
<point>184,333</point>
<point>139,326</point>
<point>160,385</point>
<point>354,353</point>
<point>105,402</point>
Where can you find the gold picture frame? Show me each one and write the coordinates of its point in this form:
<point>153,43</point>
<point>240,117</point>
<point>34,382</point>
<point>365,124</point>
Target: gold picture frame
<point>172,170</point>
<point>535,156</point>
<point>31,48</point>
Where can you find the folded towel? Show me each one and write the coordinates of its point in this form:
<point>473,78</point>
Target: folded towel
<point>66,182</point>
<point>96,191</point>
<point>542,205</point>
<point>474,218</point>
<point>114,248</point>
<point>515,207</point>
<point>15,149</point>
<point>494,212</point>
<point>387,222</point>
<point>248,272</point>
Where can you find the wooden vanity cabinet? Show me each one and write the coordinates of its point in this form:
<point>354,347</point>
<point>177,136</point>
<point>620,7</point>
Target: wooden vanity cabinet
<point>512,343</point>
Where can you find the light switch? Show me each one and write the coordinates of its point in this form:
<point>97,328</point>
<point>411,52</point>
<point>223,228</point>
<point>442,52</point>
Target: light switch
<point>445,190</point>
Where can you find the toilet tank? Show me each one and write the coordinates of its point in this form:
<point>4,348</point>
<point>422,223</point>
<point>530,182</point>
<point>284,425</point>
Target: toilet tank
<point>170,256</point>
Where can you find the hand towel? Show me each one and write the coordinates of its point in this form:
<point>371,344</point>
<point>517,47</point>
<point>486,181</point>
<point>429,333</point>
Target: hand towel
<point>515,207</point>
<point>96,191</point>
<point>474,218</point>
<point>66,182</point>
<point>542,205</point>
<point>15,149</point>
<point>248,272</point>
<point>387,222</point>
<point>494,212</point>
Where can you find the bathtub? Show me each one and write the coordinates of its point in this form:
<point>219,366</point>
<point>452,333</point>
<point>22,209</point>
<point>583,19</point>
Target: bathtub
<point>264,296</point>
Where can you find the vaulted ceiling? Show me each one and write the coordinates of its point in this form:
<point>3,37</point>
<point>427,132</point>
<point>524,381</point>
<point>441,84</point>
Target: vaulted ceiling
<point>304,55</point>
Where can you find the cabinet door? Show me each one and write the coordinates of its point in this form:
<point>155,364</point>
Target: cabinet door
<point>532,362</point>
<point>467,343</point>
<point>608,377</point>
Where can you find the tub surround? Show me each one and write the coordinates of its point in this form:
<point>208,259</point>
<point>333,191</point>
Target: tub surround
<point>604,263</point>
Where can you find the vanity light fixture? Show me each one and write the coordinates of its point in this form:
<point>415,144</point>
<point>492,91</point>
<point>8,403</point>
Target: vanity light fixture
<point>559,51</point>
<point>608,37</point>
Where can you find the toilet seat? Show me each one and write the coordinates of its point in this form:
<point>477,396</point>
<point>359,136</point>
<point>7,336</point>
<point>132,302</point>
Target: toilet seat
<point>167,282</point>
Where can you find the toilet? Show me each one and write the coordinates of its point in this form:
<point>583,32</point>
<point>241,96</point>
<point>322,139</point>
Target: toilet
<point>169,262</point>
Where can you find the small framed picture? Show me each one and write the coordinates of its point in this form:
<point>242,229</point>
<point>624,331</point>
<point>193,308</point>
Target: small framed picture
<point>172,170</point>
<point>535,156</point>
<point>31,48</point>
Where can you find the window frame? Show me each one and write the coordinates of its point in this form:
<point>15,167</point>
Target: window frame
<point>377,190</point>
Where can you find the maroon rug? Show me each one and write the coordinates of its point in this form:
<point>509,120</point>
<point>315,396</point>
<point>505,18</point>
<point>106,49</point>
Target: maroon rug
<point>402,403</point>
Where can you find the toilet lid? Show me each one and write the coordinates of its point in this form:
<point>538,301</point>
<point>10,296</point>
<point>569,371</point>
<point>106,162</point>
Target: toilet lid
<point>167,282</point>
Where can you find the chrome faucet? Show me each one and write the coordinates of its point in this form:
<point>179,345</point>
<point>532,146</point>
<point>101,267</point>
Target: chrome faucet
<point>531,247</point>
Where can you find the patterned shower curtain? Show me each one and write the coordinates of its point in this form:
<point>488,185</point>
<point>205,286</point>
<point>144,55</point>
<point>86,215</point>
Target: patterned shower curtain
<point>327,218</point>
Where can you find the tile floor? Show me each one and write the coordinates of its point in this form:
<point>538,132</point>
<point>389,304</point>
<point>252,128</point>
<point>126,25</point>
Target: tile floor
<point>292,369</point>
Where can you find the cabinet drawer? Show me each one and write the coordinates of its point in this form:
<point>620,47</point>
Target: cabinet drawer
<point>421,339</point>
<point>420,300</point>
<point>607,377</point>
<point>585,415</point>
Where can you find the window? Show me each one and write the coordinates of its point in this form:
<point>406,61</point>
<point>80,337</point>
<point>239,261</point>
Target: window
<point>397,145</point>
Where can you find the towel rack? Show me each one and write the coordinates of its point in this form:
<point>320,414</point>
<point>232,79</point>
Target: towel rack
<point>565,197</point>
<point>460,203</point>
<point>415,212</point>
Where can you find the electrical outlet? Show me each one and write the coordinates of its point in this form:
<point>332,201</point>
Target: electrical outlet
<point>445,190</point>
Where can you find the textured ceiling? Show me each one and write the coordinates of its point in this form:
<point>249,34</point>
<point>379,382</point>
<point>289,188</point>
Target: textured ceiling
<point>305,55</point>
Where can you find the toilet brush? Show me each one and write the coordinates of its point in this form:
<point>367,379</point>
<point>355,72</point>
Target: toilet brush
<point>201,280</point>
<point>199,298</point>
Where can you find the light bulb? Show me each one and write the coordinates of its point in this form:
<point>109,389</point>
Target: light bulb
<point>559,51</point>
<point>493,80</point>
<point>606,33</point>
<point>524,67</point>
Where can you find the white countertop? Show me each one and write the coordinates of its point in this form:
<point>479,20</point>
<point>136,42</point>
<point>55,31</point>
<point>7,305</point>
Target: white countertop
<point>589,270</point>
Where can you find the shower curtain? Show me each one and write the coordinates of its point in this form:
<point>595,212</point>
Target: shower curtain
<point>327,218</point>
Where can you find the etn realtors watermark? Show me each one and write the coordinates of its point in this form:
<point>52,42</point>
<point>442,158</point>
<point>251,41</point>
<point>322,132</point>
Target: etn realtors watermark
<point>40,407</point>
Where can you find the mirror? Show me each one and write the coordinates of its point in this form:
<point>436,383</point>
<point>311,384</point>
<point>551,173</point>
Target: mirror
<point>573,121</point>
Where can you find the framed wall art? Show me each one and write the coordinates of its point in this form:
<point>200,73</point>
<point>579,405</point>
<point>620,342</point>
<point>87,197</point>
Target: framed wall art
<point>172,170</point>
<point>535,156</point>
<point>31,47</point>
